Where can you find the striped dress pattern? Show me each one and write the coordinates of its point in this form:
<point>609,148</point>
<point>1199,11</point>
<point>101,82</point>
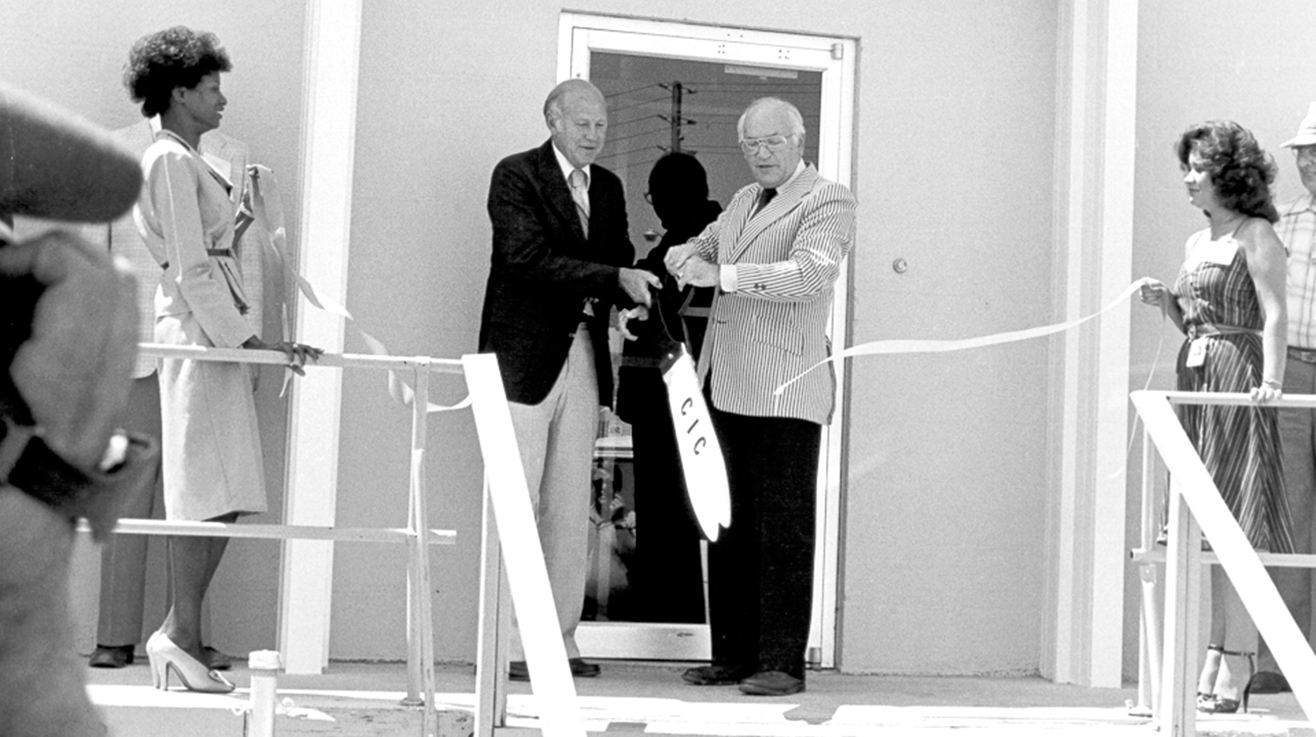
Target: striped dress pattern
<point>1240,445</point>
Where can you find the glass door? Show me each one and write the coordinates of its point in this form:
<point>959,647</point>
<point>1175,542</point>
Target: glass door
<point>673,86</point>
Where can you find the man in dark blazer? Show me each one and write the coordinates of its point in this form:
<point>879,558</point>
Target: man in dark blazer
<point>774,255</point>
<point>561,259</point>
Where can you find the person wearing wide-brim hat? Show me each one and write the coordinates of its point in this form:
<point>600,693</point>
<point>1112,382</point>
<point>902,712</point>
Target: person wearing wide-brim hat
<point>1297,229</point>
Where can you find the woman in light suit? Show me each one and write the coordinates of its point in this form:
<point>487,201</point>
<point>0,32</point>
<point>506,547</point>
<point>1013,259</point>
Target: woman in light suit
<point>212,463</point>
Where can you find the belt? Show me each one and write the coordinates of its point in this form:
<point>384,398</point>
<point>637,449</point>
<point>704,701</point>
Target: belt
<point>1302,354</point>
<point>1207,329</point>
<point>230,277</point>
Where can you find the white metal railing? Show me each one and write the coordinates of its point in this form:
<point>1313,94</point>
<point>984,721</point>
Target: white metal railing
<point>420,640</point>
<point>1168,665</point>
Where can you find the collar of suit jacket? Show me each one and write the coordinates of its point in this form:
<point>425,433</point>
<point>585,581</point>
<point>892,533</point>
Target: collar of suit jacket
<point>566,165</point>
<point>799,169</point>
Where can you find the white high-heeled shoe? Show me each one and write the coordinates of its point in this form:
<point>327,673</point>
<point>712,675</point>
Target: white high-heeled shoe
<point>165,656</point>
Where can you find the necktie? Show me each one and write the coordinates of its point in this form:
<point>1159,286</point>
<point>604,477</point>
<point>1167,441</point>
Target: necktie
<point>764,198</point>
<point>580,193</point>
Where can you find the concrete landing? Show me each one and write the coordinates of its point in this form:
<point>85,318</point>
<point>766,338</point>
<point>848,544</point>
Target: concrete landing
<point>363,700</point>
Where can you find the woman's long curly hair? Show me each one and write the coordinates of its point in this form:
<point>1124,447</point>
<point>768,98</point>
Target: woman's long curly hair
<point>174,57</point>
<point>1240,171</point>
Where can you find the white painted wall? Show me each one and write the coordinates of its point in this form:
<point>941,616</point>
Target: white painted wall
<point>945,520</point>
<point>946,515</point>
<point>944,529</point>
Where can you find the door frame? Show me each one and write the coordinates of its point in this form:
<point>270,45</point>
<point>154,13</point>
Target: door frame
<point>580,34</point>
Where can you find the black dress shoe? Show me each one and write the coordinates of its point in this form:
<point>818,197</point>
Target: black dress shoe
<point>517,670</point>
<point>771,683</point>
<point>582,668</point>
<point>114,656</point>
<point>717,675</point>
<point>1268,681</point>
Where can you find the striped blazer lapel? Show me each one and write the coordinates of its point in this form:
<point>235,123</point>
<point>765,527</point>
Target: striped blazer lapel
<point>783,203</point>
<point>736,217</point>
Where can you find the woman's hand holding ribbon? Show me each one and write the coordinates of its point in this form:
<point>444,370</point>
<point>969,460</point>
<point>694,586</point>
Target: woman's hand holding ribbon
<point>1154,292</point>
<point>297,353</point>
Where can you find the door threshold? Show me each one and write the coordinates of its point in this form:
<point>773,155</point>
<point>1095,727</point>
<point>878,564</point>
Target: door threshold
<point>644,641</point>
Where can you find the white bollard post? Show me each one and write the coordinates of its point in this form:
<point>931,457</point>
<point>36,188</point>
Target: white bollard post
<point>264,665</point>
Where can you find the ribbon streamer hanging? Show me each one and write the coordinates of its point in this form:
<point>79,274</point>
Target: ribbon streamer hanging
<point>268,209</point>
<point>887,347</point>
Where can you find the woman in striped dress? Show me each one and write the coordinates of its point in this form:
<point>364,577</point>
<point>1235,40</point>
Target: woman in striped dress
<point>1229,301</point>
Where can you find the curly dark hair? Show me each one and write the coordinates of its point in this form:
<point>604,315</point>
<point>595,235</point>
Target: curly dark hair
<point>174,57</point>
<point>1240,171</point>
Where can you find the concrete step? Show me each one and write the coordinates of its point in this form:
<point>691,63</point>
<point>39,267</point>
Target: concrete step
<point>142,711</point>
<point>364,700</point>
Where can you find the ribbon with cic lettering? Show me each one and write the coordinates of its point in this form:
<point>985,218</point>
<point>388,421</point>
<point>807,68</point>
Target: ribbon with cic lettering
<point>701,457</point>
<point>702,464</point>
<point>268,210</point>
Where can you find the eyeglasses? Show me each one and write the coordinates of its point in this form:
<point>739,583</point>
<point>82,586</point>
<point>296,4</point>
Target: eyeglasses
<point>773,143</point>
<point>1305,153</point>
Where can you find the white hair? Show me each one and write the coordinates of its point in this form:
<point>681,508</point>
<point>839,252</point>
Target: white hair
<point>792,114</point>
<point>576,86</point>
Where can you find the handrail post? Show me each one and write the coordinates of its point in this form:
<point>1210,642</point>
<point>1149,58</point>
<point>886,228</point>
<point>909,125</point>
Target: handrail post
<point>420,646</point>
<point>1183,594</point>
<point>494,628</point>
<point>1149,640</point>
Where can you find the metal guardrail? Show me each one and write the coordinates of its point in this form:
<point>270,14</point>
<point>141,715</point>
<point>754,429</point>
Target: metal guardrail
<point>420,636</point>
<point>1168,664</point>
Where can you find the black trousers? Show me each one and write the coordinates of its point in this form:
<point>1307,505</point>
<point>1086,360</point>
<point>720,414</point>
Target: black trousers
<point>761,567</point>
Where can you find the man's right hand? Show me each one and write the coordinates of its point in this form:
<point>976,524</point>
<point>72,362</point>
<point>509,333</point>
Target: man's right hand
<point>624,318</point>
<point>637,283</point>
<point>677,256</point>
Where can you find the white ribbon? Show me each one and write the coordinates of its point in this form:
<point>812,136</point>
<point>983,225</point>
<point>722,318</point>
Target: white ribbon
<point>885,347</point>
<point>268,209</point>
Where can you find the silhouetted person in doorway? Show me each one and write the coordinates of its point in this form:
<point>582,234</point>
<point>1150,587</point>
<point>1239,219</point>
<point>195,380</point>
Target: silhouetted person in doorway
<point>667,575</point>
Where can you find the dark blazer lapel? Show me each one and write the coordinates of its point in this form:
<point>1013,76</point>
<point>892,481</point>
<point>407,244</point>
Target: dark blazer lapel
<point>556,192</point>
<point>785,201</point>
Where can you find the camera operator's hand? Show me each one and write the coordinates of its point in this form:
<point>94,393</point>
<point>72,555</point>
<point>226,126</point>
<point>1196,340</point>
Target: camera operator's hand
<point>74,372</point>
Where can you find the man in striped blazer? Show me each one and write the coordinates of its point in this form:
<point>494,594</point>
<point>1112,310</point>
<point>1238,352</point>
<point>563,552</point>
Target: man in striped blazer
<point>774,255</point>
